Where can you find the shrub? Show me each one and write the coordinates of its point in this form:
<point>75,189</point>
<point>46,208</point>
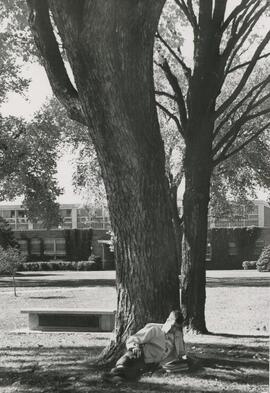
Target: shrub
<point>87,265</point>
<point>61,265</point>
<point>249,265</point>
<point>97,260</point>
<point>7,238</point>
<point>263,263</point>
<point>10,259</point>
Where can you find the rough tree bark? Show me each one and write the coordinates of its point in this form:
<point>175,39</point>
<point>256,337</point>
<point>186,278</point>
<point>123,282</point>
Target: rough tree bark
<point>109,46</point>
<point>203,91</point>
<point>196,198</point>
<point>174,183</point>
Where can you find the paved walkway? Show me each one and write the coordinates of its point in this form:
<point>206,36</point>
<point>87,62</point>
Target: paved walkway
<point>60,279</point>
<point>107,278</point>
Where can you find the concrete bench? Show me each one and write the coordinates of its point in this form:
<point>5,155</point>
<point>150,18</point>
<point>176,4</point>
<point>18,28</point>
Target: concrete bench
<point>84,320</point>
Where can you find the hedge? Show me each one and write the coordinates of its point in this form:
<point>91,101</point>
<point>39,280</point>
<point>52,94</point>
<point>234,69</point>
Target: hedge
<point>245,243</point>
<point>61,265</point>
<point>263,263</point>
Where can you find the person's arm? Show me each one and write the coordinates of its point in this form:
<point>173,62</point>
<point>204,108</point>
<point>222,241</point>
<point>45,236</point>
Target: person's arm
<point>143,336</point>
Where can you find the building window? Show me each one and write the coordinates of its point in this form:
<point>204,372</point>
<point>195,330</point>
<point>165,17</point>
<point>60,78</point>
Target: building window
<point>65,212</point>
<point>54,247</point>
<point>66,215</point>
<point>252,222</point>
<point>21,214</point>
<point>35,246</point>
<point>60,246</point>
<point>8,214</point>
<point>259,245</point>
<point>49,248</point>
<point>23,244</point>
<point>232,249</point>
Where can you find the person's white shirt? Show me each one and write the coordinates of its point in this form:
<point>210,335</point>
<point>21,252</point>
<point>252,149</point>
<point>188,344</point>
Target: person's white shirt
<point>159,346</point>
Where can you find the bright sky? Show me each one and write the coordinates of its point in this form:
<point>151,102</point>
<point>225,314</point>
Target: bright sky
<point>38,91</point>
<point>26,106</point>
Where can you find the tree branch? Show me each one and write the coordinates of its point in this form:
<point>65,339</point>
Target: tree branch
<point>171,116</point>
<point>189,13</point>
<point>257,114</point>
<point>244,78</point>
<point>239,148</point>
<point>40,24</point>
<point>260,101</point>
<point>228,138</point>
<point>237,43</point>
<point>165,94</point>
<point>236,11</point>
<point>248,23</point>
<point>186,69</point>
<point>247,63</point>
<point>172,79</point>
<point>259,86</point>
<point>234,131</point>
<point>239,34</point>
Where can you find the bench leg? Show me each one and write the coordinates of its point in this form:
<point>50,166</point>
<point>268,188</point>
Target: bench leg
<point>106,323</point>
<point>33,321</point>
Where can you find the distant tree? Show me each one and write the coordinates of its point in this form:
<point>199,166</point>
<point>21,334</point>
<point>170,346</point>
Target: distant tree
<point>16,47</point>
<point>7,238</point>
<point>28,155</point>
<point>28,151</point>
<point>87,177</point>
<point>263,263</point>
<point>10,259</point>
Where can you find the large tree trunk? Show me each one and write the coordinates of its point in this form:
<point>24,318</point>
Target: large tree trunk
<point>203,90</point>
<point>196,198</point>
<point>198,169</point>
<point>177,220</point>
<point>109,45</point>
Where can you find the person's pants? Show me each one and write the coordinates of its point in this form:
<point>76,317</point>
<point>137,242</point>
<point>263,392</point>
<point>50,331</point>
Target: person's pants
<point>131,367</point>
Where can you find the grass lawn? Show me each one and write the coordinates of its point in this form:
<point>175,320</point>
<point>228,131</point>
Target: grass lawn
<point>234,358</point>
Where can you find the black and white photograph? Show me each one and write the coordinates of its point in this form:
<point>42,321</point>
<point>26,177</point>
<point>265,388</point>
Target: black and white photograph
<point>134,196</point>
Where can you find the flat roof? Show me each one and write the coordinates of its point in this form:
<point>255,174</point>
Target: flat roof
<point>11,206</point>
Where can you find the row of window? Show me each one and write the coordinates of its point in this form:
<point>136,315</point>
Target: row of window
<point>233,249</point>
<point>51,247</point>
<point>12,213</point>
<point>19,223</point>
<point>236,223</point>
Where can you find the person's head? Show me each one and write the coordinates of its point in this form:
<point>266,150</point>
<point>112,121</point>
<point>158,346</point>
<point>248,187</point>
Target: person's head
<point>174,322</point>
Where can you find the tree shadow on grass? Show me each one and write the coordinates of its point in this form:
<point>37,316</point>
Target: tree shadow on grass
<point>229,335</point>
<point>232,362</point>
<point>74,283</point>
<point>73,369</point>
<point>33,274</point>
<point>238,282</point>
<point>50,297</point>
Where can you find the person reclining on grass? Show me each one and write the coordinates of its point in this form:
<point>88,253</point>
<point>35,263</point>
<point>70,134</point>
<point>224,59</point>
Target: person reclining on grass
<point>151,347</point>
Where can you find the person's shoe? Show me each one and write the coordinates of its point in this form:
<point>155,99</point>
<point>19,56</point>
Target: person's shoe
<point>117,379</point>
<point>116,370</point>
<point>110,377</point>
